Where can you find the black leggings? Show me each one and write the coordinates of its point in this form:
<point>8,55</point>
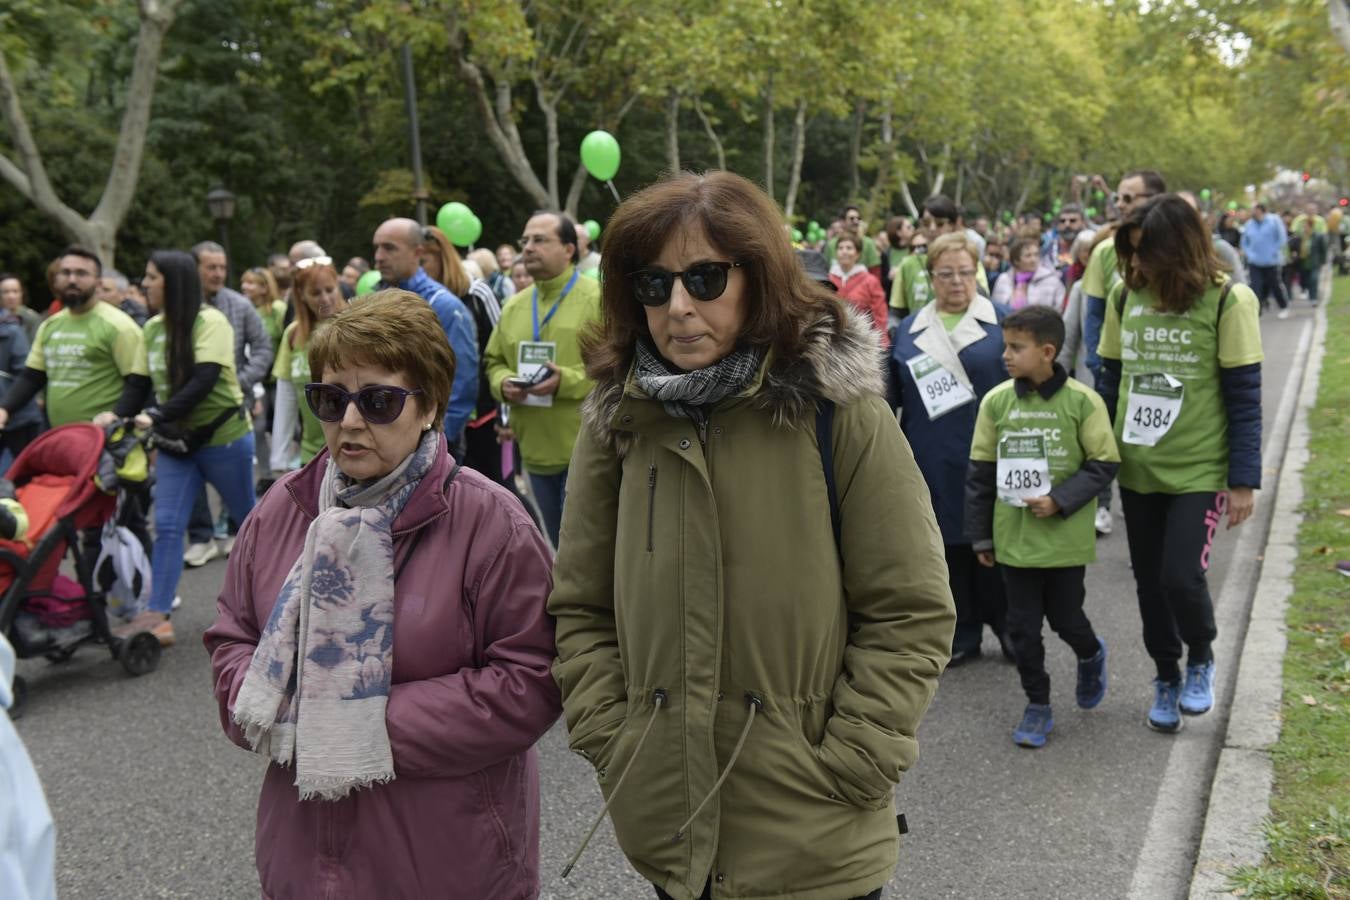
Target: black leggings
<point>707,894</point>
<point>1170,537</point>
<point>1055,595</point>
<point>978,593</point>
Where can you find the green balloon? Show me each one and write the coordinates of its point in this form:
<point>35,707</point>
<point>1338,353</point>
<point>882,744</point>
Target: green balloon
<point>600,155</point>
<point>1091,211</point>
<point>592,228</point>
<point>451,213</point>
<point>1232,204</point>
<point>1098,195</point>
<point>797,235</point>
<point>1047,217</point>
<point>366,283</point>
<point>1057,206</point>
<point>464,232</point>
<point>1204,193</point>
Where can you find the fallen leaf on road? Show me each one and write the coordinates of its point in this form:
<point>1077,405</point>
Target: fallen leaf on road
<point>1309,700</point>
<point>1324,550</point>
<point>1345,641</point>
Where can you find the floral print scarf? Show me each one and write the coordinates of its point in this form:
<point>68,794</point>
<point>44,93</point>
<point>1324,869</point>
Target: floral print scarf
<point>317,686</point>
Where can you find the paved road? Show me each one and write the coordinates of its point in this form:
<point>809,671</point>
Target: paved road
<point>151,800</point>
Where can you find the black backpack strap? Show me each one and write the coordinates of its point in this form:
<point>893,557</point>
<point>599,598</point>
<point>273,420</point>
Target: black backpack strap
<point>825,441</point>
<point>417,535</point>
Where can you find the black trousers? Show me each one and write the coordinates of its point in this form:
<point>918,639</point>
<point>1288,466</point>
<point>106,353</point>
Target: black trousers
<point>707,894</point>
<point>1170,537</point>
<point>1055,595</point>
<point>1266,280</point>
<point>978,592</point>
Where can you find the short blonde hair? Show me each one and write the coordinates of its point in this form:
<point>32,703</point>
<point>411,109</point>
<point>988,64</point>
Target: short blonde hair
<point>395,330</point>
<point>953,240</point>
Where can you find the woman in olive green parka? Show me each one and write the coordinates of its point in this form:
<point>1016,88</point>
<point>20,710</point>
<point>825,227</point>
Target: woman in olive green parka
<point>747,689</point>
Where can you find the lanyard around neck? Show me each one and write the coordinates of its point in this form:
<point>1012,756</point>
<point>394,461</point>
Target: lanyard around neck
<point>561,297</point>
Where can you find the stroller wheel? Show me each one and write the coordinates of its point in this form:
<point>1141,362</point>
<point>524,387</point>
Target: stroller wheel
<point>139,654</point>
<point>20,697</point>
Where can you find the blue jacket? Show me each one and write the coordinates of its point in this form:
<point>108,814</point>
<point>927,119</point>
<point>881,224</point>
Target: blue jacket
<point>942,446</point>
<point>1263,242</point>
<point>13,353</point>
<point>457,322</point>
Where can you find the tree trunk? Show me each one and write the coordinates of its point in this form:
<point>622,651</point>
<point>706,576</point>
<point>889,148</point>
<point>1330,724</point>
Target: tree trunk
<point>498,121</point>
<point>768,137</point>
<point>880,195</point>
<point>673,131</point>
<point>549,106</point>
<point>960,184</point>
<point>712,134</point>
<point>1338,17</point>
<point>855,151</point>
<point>29,175</point>
<point>909,200</point>
<point>798,151</point>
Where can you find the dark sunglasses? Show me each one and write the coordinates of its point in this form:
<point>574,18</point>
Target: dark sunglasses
<point>703,281</point>
<point>378,404</point>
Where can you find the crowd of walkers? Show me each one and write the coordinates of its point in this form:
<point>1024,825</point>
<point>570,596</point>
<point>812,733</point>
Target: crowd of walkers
<point>658,487</point>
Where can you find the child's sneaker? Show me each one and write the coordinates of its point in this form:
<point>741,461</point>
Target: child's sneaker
<point>1035,726</point>
<point>1165,715</point>
<point>1197,696</point>
<point>1092,678</point>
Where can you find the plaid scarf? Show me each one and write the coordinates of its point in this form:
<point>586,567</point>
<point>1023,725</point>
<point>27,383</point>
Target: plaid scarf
<point>317,686</point>
<point>685,394</point>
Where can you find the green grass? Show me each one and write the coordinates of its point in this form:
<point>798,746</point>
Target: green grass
<point>1308,835</point>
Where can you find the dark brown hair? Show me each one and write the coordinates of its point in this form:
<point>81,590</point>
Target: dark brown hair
<point>1020,243</point>
<point>739,220</point>
<point>395,330</point>
<point>852,237</point>
<point>1174,246</point>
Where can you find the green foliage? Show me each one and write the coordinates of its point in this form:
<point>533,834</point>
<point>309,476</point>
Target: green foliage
<point>297,105</point>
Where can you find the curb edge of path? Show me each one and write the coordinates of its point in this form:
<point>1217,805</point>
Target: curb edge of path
<point>1166,864</point>
<point>1240,797</point>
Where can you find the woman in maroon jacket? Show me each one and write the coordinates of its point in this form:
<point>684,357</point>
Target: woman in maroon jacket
<point>857,285</point>
<point>391,774</point>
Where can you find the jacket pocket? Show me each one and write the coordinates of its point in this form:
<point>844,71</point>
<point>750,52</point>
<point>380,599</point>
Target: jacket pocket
<point>651,506</point>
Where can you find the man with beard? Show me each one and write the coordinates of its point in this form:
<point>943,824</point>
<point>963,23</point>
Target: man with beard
<point>82,354</point>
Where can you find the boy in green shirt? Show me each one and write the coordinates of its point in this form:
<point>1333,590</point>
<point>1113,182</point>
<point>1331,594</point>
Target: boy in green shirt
<point>1043,449</point>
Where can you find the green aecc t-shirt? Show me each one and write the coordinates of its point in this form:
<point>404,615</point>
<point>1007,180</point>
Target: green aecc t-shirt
<point>292,364</point>
<point>86,357</point>
<point>212,342</point>
<point>1076,428</point>
<point>1189,348</point>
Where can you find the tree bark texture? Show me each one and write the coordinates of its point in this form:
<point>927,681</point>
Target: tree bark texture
<point>798,152</point>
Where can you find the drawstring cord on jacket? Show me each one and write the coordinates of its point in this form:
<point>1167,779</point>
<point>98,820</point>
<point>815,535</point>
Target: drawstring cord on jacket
<point>756,704</point>
<point>658,701</point>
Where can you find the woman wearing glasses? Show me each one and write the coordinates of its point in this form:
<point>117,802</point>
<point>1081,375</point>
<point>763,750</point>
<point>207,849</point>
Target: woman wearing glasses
<point>945,358</point>
<point>743,656</point>
<point>318,298</point>
<point>381,639</point>
<point>201,427</point>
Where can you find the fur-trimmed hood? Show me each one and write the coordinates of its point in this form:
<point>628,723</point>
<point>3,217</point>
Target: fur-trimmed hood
<point>839,363</point>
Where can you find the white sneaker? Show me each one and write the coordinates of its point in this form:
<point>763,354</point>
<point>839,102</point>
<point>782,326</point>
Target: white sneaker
<point>1103,521</point>
<point>226,545</point>
<point>177,602</point>
<point>1284,314</point>
<point>200,554</point>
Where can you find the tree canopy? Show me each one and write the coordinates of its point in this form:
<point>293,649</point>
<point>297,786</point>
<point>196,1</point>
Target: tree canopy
<point>297,107</point>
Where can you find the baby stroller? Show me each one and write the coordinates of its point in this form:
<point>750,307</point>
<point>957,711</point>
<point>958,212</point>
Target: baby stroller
<point>41,611</point>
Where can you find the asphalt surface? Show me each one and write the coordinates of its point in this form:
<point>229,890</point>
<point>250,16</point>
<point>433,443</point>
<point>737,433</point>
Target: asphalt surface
<point>152,801</point>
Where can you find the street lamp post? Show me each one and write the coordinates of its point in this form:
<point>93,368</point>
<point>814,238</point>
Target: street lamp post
<point>221,204</point>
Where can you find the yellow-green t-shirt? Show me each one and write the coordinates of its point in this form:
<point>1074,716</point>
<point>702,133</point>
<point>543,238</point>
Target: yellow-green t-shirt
<point>1191,347</point>
<point>212,342</point>
<point>292,364</point>
<point>86,357</point>
<point>1101,273</point>
<point>951,319</point>
<point>1076,428</point>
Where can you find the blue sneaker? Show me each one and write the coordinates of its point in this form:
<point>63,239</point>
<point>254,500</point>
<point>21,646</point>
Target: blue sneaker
<point>1197,696</point>
<point>1035,726</point>
<point>1092,678</point>
<point>1165,714</point>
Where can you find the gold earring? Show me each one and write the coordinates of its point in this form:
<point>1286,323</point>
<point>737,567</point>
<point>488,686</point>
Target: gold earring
<point>426,427</point>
